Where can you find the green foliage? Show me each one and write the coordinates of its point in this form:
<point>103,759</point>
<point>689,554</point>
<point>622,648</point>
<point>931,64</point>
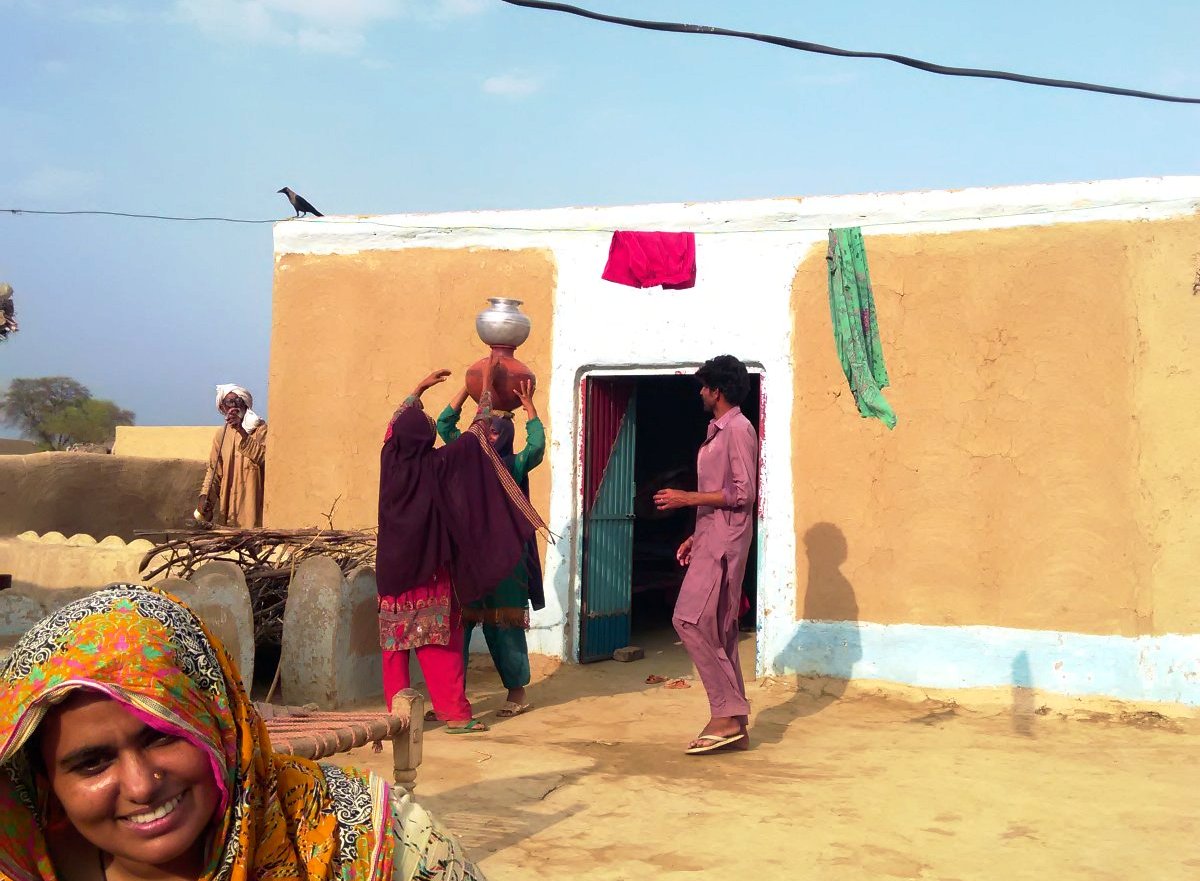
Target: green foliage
<point>91,421</point>
<point>57,411</point>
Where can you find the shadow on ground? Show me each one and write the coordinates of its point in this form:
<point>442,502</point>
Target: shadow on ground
<point>471,811</point>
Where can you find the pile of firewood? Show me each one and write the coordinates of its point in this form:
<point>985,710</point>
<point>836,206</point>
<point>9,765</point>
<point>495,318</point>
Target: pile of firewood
<point>267,557</point>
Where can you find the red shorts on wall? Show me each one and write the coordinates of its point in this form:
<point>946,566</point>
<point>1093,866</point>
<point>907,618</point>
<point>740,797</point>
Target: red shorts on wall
<point>649,259</point>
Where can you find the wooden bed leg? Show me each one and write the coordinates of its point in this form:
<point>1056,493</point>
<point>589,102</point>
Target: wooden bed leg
<point>406,744</point>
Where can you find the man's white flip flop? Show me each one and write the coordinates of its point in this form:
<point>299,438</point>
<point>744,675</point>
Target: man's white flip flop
<point>714,742</point>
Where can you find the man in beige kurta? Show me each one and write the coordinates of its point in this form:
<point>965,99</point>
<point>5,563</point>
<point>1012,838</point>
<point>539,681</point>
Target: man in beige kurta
<point>232,492</point>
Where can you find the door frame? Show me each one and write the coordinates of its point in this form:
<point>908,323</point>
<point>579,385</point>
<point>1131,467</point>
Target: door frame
<point>686,368</point>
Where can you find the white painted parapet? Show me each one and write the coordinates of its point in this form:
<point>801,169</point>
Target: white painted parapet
<point>53,561</point>
<point>48,571</point>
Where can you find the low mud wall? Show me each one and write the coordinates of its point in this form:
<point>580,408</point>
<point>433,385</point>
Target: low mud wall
<point>96,494</point>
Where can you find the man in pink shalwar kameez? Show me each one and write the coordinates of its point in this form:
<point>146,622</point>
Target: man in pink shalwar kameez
<point>706,613</point>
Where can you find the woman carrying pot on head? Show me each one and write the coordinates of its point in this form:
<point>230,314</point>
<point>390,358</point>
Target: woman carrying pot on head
<point>452,526</point>
<point>130,750</point>
<point>504,614</point>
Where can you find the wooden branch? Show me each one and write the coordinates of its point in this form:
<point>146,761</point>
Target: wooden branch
<point>267,557</point>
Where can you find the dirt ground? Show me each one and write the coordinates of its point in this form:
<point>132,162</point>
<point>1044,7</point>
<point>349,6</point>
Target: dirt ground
<point>858,783</point>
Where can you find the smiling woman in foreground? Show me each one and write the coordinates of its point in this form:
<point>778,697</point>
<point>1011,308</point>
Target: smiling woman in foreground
<point>129,749</point>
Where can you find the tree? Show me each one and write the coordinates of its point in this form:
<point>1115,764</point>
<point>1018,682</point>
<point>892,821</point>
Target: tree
<point>30,402</point>
<point>57,411</point>
<point>92,421</point>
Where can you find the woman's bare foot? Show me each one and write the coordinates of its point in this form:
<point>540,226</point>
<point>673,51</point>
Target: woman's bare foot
<point>516,695</point>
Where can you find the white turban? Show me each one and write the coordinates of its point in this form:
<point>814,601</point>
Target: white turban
<point>251,418</point>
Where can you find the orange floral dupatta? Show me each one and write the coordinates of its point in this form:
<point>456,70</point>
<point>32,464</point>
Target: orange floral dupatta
<point>282,817</point>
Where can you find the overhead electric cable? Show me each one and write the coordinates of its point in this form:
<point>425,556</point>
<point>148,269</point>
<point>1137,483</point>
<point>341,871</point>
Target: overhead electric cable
<point>1185,203</point>
<point>139,216</point>
<point>803,46</point>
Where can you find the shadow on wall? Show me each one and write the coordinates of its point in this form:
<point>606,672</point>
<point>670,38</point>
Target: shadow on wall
<point>827,643</point>
<point>1024,703</point>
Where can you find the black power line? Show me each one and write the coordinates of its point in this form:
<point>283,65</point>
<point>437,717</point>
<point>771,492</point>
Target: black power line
<point>140,216</point>
<point>928,66</point>
<point>1188,203</point>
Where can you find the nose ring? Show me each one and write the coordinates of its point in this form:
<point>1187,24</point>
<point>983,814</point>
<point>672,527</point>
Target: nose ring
<point>158,775</point>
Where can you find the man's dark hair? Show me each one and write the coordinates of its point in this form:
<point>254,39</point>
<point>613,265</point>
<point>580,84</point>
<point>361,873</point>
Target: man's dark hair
<point>727,375</point>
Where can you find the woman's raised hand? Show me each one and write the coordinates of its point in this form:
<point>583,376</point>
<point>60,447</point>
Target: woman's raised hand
<point>438,376</point>
<point>524,392</point>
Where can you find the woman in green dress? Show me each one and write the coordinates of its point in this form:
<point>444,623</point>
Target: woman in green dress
<point>505,613</point>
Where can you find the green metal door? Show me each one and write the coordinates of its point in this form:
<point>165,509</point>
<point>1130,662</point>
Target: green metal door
<point>609,445</point>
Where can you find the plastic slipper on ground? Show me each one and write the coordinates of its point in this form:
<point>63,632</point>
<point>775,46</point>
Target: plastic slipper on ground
<point>472,727</point>
<point>430,716</point>
<point>713,742</point>
<point>512,708</point>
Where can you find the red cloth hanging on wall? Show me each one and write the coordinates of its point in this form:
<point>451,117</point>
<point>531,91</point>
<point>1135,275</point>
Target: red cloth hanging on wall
<point>649,259</point>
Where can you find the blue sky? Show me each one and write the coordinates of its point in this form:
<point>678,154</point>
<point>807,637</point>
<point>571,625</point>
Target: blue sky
<point>382,106</point>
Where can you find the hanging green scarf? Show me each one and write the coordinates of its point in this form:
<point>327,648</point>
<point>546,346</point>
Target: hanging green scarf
<point>855,329</point>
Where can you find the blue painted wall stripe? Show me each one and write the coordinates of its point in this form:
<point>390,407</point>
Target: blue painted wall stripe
<point>1146,668</point>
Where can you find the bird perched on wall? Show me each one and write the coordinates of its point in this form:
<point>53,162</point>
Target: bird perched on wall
<point>302,205</point>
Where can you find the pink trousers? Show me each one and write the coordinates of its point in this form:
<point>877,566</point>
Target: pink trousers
<point>445,676</point>
<point>712,643</point>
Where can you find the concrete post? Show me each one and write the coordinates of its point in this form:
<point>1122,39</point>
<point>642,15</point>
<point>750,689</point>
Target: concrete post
<point>18,613</point>
<point>331,651</point>
<point>217,593</point>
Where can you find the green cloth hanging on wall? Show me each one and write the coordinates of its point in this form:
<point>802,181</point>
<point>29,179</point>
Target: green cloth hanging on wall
<point>855,329</point>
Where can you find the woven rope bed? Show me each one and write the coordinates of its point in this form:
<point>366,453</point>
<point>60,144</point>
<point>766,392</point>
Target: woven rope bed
<point>315,734</point>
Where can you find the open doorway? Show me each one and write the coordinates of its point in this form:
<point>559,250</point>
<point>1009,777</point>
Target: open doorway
<point>641,434</point>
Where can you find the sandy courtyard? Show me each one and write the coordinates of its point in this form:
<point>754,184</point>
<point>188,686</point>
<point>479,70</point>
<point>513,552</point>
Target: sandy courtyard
<point>854,784</point>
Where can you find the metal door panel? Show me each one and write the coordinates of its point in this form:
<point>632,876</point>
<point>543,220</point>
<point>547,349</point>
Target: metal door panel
<point>610,444</point>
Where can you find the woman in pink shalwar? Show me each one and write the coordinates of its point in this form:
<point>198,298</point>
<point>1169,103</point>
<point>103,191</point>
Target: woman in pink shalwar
<point>452,526</point>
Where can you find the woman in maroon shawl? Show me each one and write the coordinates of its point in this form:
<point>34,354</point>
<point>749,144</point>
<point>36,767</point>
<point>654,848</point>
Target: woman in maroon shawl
<point>452,525</point>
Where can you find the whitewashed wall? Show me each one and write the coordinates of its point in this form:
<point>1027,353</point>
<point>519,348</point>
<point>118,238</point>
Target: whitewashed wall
<point>747,254</point>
